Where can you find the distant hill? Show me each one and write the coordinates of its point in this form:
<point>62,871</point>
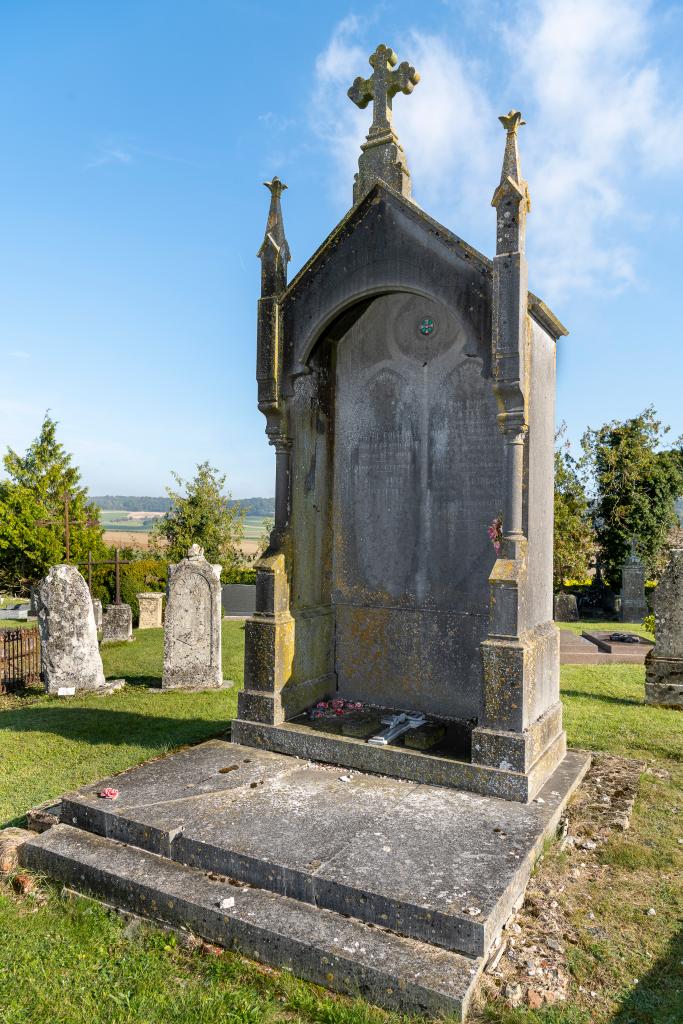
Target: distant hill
<point>138,503</point>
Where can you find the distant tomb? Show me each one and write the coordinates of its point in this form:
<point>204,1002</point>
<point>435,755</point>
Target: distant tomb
<point>150,606</point>
<point>192,636</point>
<point>633,604</point>
<point>664,664</point>
<point>70,655</point>
<point>565,608</point>
<point>117,624</point>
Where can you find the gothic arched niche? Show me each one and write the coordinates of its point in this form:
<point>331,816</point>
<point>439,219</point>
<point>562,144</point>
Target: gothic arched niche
<point>418,470</point>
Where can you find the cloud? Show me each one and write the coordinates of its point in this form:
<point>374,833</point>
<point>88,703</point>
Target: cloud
<point>20,354</point>
<point>604,123</point>
<point>110,155</point>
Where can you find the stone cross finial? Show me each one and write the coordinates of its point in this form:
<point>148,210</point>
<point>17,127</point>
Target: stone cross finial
<point>382,156</point>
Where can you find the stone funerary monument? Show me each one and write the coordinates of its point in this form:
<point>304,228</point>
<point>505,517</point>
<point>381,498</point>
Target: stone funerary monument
<point>408,385</point>
<point>403,624</point>
<point>192,637</point>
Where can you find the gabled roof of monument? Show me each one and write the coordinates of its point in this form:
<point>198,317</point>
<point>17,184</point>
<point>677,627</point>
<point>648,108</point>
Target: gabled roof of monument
<point>537,308</point>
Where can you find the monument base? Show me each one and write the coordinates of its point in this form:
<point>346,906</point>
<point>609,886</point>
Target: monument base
<point>664,682</point>
<point>391,890</point>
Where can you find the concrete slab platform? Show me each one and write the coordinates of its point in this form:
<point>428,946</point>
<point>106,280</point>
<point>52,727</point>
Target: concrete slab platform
<point>320,946</point>
<point>438,865</point>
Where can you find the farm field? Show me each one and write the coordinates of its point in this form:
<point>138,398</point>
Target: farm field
<point>132,529</point>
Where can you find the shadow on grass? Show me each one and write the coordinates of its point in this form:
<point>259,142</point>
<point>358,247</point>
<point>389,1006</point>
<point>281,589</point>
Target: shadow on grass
<point>108,726</point>
<point>658,996</point>
<point>603,697</point>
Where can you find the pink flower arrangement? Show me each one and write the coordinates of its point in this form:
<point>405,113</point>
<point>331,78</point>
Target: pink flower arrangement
<point>495,532</point>
<point>109,794</point>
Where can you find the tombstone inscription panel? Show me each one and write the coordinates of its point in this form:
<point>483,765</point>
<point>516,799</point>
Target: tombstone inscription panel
<point>418,466</point>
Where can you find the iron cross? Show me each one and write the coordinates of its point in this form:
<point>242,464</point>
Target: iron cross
<point>67,522</point>
<point>382,86</point>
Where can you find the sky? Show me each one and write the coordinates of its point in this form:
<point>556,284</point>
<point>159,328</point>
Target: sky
<point>135,137</point>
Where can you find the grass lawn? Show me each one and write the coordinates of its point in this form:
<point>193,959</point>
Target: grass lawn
<point>606,627</point>
<point>64,960</point>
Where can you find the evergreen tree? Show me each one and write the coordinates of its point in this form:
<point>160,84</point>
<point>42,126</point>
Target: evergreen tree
<point>204,516</point>
<point>636,480</point>
<point>573,532</point>
<point>34,489</point>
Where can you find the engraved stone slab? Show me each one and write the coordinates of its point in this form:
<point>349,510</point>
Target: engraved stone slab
<point>150,610</point>
<point>68,635</point>
<point>192,638</point>
<point>117,624</point>
<point>565,608</point>
<point>633,603</point>
<point>664,664</point>
<point>97,611</point>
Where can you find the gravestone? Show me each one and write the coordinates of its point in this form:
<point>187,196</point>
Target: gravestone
<point>97,612</point>
<point>664,664</point>
<point>150,611</point>
<point>408,387</point>
<point>192,635</point>
<point>117,624</point>
<point>68,635</point>
<point>565,608</point>
<point>633,604</point>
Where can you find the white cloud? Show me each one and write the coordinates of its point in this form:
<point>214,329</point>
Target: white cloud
<point>603,123</point>
<point>110,155</point>
<point>601,120</point>
<point>20,354</point>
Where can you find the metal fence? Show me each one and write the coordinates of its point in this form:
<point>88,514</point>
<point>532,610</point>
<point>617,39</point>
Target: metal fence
<point>19,658</point>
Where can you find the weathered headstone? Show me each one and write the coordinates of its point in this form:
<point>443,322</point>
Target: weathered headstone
<point>408,388</point>
<point>633,603</point>
<point>565,608</point>
<point>664,664</point>
<point>117,623</point>
<point>68,636</point>
<point>150,606</point>
<point>192,634</point>
<point>97,611</point>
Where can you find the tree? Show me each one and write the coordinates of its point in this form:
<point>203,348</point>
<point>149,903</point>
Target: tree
<point>636,481</point>
<point>573,537</point>
<point>204,516</point>
<point>34,490</point>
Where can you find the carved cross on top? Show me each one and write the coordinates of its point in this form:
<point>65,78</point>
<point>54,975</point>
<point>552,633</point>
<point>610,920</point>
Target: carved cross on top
<point>382,86</point>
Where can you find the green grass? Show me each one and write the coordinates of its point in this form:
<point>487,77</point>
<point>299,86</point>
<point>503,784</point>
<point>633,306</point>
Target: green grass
<point>606,627</point>
<point>65,960</point>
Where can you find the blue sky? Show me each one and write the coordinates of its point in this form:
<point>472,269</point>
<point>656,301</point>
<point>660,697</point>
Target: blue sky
<point>136,135</point>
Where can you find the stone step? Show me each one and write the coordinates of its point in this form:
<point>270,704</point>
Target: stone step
<point>318,945</point>
<point>436,865</point>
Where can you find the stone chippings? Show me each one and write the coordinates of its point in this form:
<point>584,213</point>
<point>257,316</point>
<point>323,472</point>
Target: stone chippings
<point>529,964</point>
<point>68,635</point>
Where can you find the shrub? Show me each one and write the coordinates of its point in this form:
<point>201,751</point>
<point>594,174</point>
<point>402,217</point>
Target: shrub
<point>145,575</point>
<point>239,574</point>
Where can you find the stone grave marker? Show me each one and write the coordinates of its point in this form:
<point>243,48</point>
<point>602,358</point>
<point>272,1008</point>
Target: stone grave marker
<point>633,604</point>
<point>117,623</point>
<point>664,664</point>
<point>150,611</point>
<point>565,608</point>
<point>97,611</point>
<point>68,636</point>
<point>192,634</point>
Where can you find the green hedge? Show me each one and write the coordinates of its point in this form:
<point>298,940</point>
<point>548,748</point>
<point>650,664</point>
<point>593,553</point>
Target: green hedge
<point>239,575</point>
<point>143,576</point>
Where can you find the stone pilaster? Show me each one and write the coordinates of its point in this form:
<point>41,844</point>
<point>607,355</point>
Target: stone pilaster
<point>521,718</point>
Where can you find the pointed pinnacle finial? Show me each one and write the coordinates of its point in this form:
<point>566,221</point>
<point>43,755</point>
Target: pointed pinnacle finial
<point>274,252</point>
<point>382,156</point>
<point>511,197</point>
